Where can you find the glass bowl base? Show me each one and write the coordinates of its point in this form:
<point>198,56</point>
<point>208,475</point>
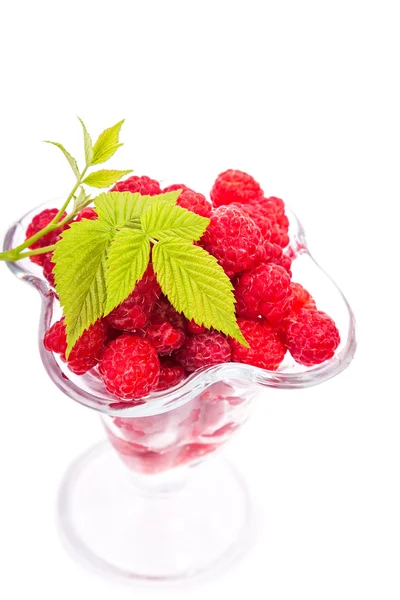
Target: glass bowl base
<point>173,526</point>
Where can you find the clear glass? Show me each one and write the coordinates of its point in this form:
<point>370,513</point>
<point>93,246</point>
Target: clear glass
<point>161,518</point>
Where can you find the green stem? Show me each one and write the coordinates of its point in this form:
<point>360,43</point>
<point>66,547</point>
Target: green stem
<point>13,256</point>
<point>68,200</point>
<point>54,224</point>
<point>43,250</point>
<point>8,256</point>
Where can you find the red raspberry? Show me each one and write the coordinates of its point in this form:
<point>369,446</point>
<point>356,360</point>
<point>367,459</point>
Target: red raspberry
<point>165,338</point>
<point>221,391</point>
<point>130,367</point>
<point>87,213</point>
<point>194,202</point>
<point>235,186</point>
<point>144,185</point>
<point>164,312</point>
<point>301,298</point>
<point>274,209</point>
<point>259,216</point>
<point>286,263</point>
<point>311,336</point>
<point>55,339</point>
<point>141,428</point>
<point>176,186</point>
<point>48,268</point>
<point>264,291</point>
<point>266,348</point>
<point>234,239</point>
<point>141,460</point>
<point>87,350</point>
<point>195,329</point>
<point>213,415</point>
<point>170,374</point>
<point>274,255</point>
<point>204,350</point>
<point>134,312</point>
<point>193,452</point>
<point>38,223</point>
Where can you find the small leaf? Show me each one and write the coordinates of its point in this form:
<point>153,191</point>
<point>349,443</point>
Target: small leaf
<point>196,285</point>
<point>127,261</point>
<point>118,208</point>
<point>165,221</point>
<point>87,144</point>
<point>104,178</point>
<point>107,144</point>
<point>72,161</point>
<point>82,200</point>
<point>80,274</point>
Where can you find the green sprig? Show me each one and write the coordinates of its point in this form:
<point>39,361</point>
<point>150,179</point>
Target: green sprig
<point>105,147</point>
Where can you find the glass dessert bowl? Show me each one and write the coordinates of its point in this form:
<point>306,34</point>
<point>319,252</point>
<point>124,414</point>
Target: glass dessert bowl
<point>144,512</point>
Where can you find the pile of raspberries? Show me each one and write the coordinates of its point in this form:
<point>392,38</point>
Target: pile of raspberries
<point>144,345</point>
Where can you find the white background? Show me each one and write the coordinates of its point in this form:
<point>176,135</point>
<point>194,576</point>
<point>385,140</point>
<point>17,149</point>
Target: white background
<point>305,96</point>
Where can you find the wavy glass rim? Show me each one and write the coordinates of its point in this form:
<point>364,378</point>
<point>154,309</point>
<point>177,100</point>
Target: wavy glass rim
<point>99,399</point>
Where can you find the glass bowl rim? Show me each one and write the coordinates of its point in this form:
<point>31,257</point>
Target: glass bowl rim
<point>198,382</point>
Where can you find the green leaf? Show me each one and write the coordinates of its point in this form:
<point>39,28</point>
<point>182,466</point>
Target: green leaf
<point>87,144</point>
<point>80,275</point>
<point>104,178</point>
<point>196,285</point>
<point>107,144</point>
<point>133,224</point>
<point>170,197</point>
<point>71,160</point>
<point>165,221</point>
<point>117,209</point>
<point>127,261</point>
